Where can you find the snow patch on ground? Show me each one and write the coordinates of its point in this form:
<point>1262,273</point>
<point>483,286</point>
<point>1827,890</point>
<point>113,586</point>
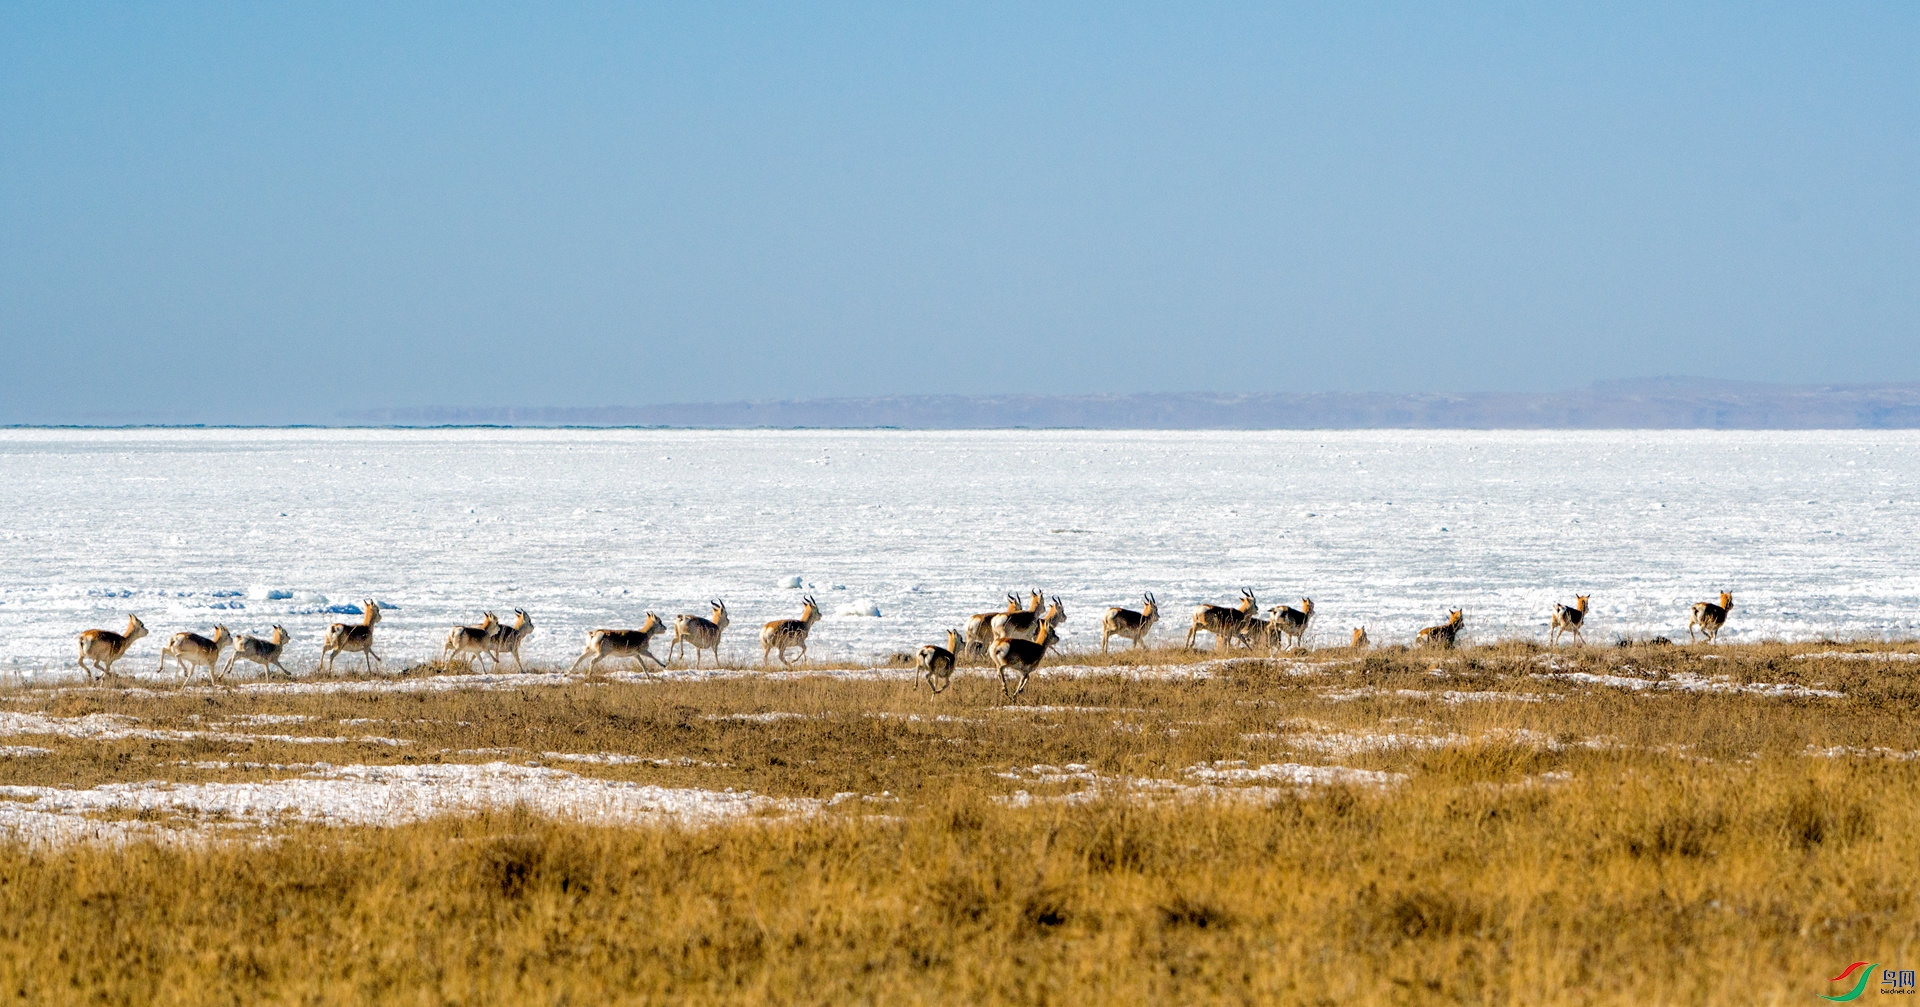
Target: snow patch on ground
<point>114,727</point>
<point>367,795</point>
<point>1846,655</point>
<point>1690,682</point>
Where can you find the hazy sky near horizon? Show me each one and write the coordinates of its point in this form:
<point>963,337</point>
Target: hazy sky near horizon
<point>271,213</point>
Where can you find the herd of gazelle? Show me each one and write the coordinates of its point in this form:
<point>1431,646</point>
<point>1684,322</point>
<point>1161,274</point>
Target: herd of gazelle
<point>1015,638</point>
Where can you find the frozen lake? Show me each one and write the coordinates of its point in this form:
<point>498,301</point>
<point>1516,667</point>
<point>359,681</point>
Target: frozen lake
<point>1813,532</point>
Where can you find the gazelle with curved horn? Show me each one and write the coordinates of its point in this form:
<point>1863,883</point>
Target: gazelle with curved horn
<point>1026,625</point>
<point>783,635</point>
<point>703,634</point>
<point>104,646</point>
<point>1223,622</point>
<point>353,638</point>
<point>1129,624</point>
<point>507,639</point>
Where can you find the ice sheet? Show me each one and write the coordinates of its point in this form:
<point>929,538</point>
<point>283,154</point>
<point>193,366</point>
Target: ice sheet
<point>1811,531</point>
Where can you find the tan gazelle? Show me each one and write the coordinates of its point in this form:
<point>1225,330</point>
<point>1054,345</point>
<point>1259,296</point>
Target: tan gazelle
<point>104,646</point>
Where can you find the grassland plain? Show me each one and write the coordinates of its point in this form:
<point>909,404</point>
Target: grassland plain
<point>1498,824</point>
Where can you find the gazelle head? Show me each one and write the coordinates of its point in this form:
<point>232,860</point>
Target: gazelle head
<point>1056,612</point>
<point>1047,637</point>
<point>1013,603</point>
<point>490,623</point>
<point>1457,617</point>
<point>1580,601</point>
<point>521,619</point>
<point>370,611</point>
<point>1306,606</point>
<point>719,611</point>
<point>1726,600</point>
<point>135,628</point>
<point>221,636</point>
<point>1036,600</point>
<point>652,625</point>
<point>809,610</point>
<point>1152,607</point>
<point>279,635</point>
<point>1360,637</point>
<point>1247,604</point>
<point>954,640</point>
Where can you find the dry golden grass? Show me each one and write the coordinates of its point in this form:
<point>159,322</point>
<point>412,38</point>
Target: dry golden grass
<point>1594,845</point>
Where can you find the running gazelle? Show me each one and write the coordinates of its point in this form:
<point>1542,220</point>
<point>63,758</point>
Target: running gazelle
<point>104,646</point>
<point>783,635</point>
<point>1710,617</point>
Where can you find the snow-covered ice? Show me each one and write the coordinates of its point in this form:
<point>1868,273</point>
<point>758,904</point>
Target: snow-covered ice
<point>589,528</point>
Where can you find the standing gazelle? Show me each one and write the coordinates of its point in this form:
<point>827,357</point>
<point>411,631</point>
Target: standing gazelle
<point>265,653</point>
<point>1444,634</point>
<point>104,646</point>
<point>637,644</point>
<point>1568,620</point>
<point>507,639</point>
<point>1290,623</point>
<point>352,638</point>
<point>935,661</point>
<point>704,634</point>
<point>1128,624</point>
<point>1710,617</point>
<point>191,649</point>
<point>783,635</point>
<point>1223,622</point>
<point>1022,656</point>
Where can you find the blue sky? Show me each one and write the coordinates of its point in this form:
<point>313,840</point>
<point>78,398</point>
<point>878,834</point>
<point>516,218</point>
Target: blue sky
<point>269,213</point>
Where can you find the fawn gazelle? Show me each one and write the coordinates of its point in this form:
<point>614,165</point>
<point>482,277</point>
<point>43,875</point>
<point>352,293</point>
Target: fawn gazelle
<point>1444,634</point>
<point>1568,620</point>
<point>507,639</point>
<point>637,644</point>
<point>979,628</point>
<point>265,653</point>
<point>1128,624</point>
<point>937,662</point>
<point>704,634</point>
<point>1710,617</point>
<point>783,635</point>
<point>1290,623</point>
<point>1022,656</point>
<point>1223,622</point>
<point>1026,625</point>
<point>104,646</point>
<point>191,649</point>
<point>469,642</point>
<point>353,638</point>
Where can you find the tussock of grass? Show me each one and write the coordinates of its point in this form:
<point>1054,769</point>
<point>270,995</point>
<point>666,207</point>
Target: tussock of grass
<point>1601,845</point>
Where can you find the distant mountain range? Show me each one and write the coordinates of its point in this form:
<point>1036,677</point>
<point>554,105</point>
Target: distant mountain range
<point>1664,403</point>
